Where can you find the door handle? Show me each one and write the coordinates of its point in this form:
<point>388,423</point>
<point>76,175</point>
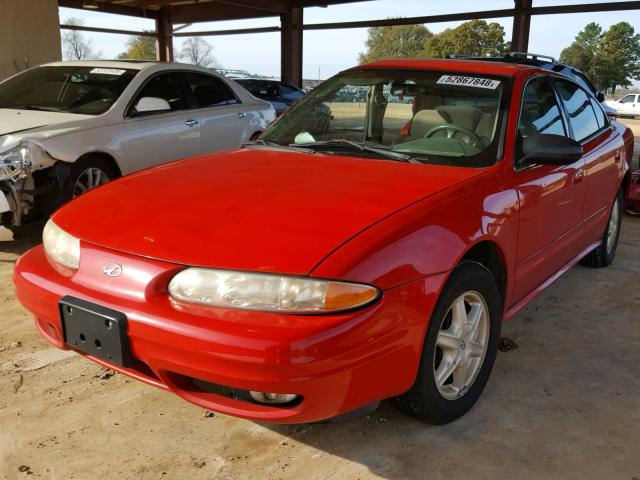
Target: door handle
<point>578,175</point>
<point>191,123</point>
<point>618,156</point>
<point>241,115</point>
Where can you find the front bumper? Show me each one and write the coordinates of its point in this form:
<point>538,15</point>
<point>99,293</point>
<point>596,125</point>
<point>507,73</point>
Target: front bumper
<point>337,363</point>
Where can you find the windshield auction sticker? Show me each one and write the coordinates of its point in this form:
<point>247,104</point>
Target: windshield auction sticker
<point>108,71</point>
<point>468,81</point>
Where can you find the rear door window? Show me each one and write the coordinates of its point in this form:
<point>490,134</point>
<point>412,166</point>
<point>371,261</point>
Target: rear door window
<point>582,116</point>
<point>209,91</point>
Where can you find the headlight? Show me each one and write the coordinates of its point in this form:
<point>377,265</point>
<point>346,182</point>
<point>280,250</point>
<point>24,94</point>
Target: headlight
<point>15,162</point>
<point>274,293</point>
<point>61,247</point>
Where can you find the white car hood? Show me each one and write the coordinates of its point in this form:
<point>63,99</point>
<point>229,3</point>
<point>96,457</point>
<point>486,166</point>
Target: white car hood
<point>12,121</point>
<point>16,125</point>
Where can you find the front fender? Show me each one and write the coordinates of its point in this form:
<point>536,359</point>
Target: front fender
<point>430,237</point>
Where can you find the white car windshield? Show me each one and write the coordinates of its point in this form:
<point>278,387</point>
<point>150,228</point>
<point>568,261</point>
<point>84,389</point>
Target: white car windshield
<point>450,118</point>
<point>71,89</point>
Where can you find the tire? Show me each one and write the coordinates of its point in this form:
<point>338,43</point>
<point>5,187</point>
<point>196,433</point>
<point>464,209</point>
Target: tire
<point>438,405</point>
<point>84,172</point>
<point>603,255</point>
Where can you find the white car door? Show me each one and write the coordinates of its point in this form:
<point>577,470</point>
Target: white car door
<point>635,106</point>
<point>625,106</point>
<point>154,137</point>
<point>224,120</point>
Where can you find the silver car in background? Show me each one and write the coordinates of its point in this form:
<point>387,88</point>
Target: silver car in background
<point>67,127</point>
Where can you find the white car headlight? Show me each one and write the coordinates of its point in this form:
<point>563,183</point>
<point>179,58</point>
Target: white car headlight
<point>15,162</point>
<point>268,292</point>
<point>61,247</point>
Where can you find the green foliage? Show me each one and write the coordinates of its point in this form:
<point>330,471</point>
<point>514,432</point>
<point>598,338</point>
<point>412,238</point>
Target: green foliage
<point>580,56</point>
<point>618,56</point>
<point>404,41</point>
<point>140,47</point>
<point>476,37</point>
<point>609,58</point>
<point>590,36</point>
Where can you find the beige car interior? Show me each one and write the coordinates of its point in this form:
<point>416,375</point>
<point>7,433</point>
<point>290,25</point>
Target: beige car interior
<point>472,118</point>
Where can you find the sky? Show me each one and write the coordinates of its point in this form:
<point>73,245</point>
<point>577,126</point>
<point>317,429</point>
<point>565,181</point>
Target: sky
<point>330,51</point>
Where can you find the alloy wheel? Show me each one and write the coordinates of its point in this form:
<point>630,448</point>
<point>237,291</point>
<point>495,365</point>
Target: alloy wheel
<point>461,345</point>
<point>612,229</point>
<point>89,179</point>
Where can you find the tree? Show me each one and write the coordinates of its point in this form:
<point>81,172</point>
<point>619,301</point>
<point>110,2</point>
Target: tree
<point>617,58</point>
<point>403,41</point>
<point>590,36</point>
<point>609,59</point>
<point>580,56</point>
<point>476,37</point>
<point>198,52</point>
<point>140,47</point>
<point>75,46</point>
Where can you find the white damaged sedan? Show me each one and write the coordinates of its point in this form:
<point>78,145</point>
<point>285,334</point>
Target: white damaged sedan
<point>68,127</point>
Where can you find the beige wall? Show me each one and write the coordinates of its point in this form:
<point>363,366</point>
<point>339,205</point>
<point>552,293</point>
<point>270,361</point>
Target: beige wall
<point>29,34</point>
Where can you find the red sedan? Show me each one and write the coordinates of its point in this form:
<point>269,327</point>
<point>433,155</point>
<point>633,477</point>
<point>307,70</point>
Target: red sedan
<point>336,262</point>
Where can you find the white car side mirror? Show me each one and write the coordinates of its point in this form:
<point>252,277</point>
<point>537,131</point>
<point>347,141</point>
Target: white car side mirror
<point>152,104</point>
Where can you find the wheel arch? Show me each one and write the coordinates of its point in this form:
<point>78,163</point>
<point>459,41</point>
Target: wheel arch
<point>104,156</point>
<point>489,254</point>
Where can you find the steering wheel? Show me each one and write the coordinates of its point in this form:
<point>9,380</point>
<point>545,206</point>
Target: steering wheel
<point>452,129</point>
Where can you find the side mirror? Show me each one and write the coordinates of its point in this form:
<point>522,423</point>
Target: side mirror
<point>600,96</point>
<point>151,104</point>
<point>550,150</point>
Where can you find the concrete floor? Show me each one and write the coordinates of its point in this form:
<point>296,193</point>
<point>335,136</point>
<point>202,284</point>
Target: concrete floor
<point>564,404</point>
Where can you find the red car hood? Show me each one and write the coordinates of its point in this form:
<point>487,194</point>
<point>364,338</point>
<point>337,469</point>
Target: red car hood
<point>250,209</point>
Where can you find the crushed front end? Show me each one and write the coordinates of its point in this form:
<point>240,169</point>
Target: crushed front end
<point>18,167</point>
<point>15,174</point>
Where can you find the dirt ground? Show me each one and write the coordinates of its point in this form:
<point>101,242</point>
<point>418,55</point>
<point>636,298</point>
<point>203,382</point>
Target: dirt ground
<point>565,403</point>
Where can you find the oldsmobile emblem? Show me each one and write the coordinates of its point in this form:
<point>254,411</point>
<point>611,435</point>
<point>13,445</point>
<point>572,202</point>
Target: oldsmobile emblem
<point>112,269</point>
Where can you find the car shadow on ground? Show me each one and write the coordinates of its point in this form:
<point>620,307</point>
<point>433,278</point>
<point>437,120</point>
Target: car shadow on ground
<point>25,238</point>
<point>391,445</point>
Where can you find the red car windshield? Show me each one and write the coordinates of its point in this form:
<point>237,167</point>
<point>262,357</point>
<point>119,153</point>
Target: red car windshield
<point>433,117</point>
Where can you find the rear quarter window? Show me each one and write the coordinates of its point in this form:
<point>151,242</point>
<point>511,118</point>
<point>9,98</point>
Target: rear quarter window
<point>600,115</point>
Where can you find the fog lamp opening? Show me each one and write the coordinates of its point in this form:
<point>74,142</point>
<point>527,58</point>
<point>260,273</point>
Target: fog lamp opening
<point>273,398</point>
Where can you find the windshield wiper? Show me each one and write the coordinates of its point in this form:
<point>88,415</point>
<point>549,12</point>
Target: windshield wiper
<point>263,143</point>
<point>382,150</point>
<point>38,108</point>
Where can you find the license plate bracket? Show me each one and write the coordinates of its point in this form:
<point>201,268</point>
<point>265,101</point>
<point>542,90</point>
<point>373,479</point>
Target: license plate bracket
<point>96,330</point>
